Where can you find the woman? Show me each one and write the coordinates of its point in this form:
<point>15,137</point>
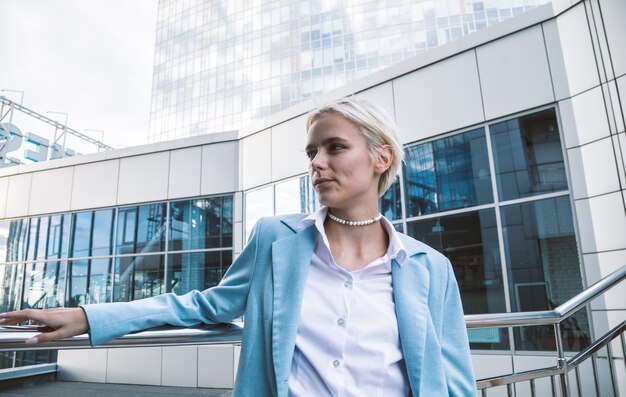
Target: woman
<point>336,302</point>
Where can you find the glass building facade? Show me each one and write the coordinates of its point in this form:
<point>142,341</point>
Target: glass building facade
<point>219,65</point>
<point>494,199</point>
<point>112,255</point>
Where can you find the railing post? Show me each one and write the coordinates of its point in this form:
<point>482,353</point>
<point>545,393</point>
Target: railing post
<point>561,362</point>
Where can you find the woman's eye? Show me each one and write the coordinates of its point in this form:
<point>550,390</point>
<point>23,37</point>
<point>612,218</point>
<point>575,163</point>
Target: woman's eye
<point>310,154</point>
<point>335,148</point>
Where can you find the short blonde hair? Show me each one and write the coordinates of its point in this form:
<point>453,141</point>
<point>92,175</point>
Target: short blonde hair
<point>377,127</point>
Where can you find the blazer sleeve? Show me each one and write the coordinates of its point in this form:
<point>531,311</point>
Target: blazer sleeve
<point>455,344</point>
<point>222,303</point>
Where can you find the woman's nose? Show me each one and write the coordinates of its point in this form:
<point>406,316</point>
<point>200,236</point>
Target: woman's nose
<point>318,160</point>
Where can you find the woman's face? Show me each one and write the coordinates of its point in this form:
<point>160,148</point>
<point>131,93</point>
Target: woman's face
<point>344,172</point>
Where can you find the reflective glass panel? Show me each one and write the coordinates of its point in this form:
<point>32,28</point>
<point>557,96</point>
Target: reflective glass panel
<point>81,234</point>
<point>390,204</point>
<point>92,233</point>
<point>259,203</point>
<point>43,285</point>
<point>447,173</point>
<point>470,241</point>
<point>16,240</point>
<point>141,229</point>
<point>102,241</point>
<point>11,287</point>
<point>308,197</point>
<point>543,268</point>
<point>32,238</point>
<point>78,277</point>
<point>288,197</point>
<point>202,223</point>
<point>138,277</point>
<point>42,238</point>
<point>4,240</point>
<point>528,156</point>
<point>58,236</point>
<point>197,271</point>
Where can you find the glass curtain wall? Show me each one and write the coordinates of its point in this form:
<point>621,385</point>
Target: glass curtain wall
<point>495,201</point>
<point>112,254</point>
<point>221,64</point>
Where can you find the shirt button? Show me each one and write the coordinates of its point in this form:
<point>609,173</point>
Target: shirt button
<point>336,363</point>
<point>347,284</point>
<point>341,322</point>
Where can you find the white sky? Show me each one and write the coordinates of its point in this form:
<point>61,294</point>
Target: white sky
<point>89,58</point>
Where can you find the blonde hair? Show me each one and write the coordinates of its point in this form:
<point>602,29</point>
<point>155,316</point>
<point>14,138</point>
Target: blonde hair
<point>377,127</point>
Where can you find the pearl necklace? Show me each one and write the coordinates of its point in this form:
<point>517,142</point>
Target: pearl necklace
<point>355,223</point>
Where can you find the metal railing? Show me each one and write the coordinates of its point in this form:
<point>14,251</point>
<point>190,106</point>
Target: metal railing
<point>231,333</point>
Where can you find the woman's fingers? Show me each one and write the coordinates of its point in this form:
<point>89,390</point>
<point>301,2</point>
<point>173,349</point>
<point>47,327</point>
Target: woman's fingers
<point>62,322</point>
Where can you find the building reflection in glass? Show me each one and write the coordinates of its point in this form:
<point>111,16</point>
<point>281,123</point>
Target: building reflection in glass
<point>470,242</point>
<point>543,269</point>
<point>447,173</point>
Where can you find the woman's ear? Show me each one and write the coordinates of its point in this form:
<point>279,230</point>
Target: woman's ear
<point>384,158</point>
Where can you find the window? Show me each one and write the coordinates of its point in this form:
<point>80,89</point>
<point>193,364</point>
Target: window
<point>447,173</point>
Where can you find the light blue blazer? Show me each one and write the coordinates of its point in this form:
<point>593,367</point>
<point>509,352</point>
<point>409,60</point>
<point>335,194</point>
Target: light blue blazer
<point>266,284</point>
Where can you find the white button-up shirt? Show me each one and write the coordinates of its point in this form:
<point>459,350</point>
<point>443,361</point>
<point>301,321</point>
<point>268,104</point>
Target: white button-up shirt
<point>348,343</point>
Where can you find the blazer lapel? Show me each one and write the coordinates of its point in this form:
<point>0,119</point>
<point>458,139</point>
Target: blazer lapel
<point>410,289</point>
<point>291,257</point>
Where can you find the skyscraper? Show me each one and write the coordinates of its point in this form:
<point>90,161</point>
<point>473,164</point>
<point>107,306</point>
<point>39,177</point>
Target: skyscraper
<point>221,64</point>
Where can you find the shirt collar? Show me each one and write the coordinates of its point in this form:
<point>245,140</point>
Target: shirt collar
<point>396,247</point>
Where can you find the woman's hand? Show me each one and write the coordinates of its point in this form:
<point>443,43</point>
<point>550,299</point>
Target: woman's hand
<point>61,322</point>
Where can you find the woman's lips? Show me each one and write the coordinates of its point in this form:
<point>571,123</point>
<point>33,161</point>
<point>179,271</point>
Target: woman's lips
<point>321,182</point>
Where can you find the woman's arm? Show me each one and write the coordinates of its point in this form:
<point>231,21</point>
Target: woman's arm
<point>107,321</point>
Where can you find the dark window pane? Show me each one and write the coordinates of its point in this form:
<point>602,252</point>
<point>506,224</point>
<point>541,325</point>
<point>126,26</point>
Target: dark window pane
<point>390,204</point>
<point>43,286</point>
<point>470,241</point>
<point>543,267</point>
<point>138,277</point>
<point>448,173</point>
<point>11,287</point>
<point>92,233</point>
<point>201,223</point>
<point>141,229</point>
<point>528,156</point>
<point>25,358</point>
<point>32,239</point>
<point>197,271</point>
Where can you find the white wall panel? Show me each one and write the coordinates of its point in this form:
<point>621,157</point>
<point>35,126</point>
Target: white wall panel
<point>288,142</point>
<point>143,178</point>
<point>184,176</point>
<point>180,366</point>
<point>600,265</point>
<point>601,223</point>
<point>135,366</point>
<point>82,365</point>
<point>51,191</point>
<point>439,98</point>
<point>587,163</point>
<point>621,88</point>
<point>4,190</point>
<point>583,118</point>
<point>382,95</point>
<point>614,15</point>
<point>514,73</point>
<point>256,159</point>
<point>215,366</point>
<point>220,168</point>
<point>571,53</point>
<point>95,185</point>
<point>18,195</point>
<point>486,365</point>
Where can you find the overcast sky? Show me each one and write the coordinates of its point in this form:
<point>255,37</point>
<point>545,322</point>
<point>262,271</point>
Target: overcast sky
<point>89,58</point>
